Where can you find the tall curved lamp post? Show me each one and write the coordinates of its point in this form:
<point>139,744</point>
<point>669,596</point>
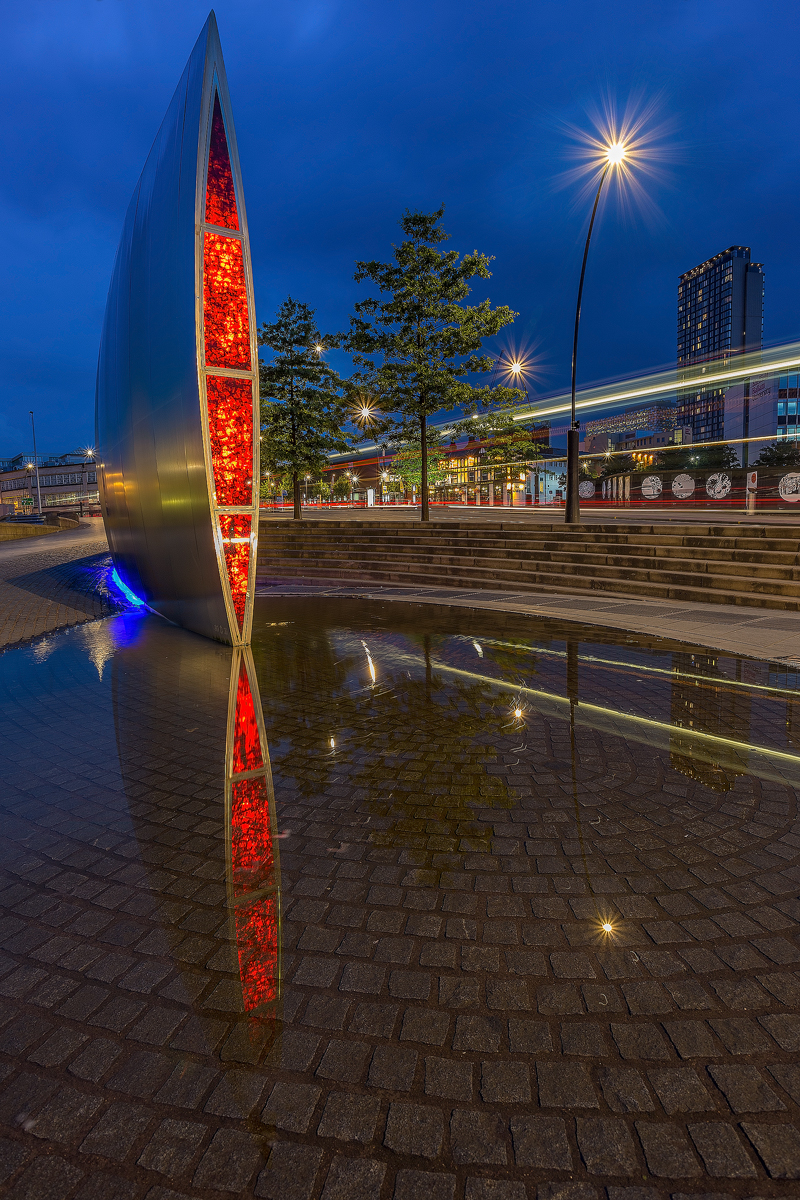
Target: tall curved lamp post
<point>614,155</point>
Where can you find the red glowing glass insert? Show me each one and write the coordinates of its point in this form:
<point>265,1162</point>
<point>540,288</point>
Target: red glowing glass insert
<point>253,871</point>
<point>246,742</point>
<point>225,317</point>
<point>230,427</point>
<point>220,196</point>
<point>236,543</point>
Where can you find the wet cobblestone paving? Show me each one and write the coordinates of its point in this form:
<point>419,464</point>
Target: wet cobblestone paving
<point>538,913</point>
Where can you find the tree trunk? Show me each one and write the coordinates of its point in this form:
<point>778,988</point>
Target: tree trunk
<point>298,513</point>
<point>425,515</point>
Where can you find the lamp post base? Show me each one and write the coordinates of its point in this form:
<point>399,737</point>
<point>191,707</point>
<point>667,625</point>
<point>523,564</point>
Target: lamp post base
<point>572,514</point>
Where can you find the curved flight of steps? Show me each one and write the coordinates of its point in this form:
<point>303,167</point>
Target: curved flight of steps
<point>757,566</point>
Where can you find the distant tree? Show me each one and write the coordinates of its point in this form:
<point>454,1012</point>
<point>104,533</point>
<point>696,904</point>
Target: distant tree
<point>303,407</point>
<point>684,458</point>
<point>779,454</point>
<point>414,345</point>
<point>341,488</point>
<point>407,462</point>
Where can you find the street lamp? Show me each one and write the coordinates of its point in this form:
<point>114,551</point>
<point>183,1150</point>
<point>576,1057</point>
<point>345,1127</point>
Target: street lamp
<point>88,455</point>
<point>36,464</point>
<point>614,156</point>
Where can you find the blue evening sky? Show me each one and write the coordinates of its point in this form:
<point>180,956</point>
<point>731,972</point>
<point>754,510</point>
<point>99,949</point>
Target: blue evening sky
<point>348,111</point>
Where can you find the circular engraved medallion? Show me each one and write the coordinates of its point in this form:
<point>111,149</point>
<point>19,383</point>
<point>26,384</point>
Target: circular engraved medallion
<point>789,487</point>
<point>586,489</point>
<point>682,487</point>
<point>718,485</point>
<point>651,487</point>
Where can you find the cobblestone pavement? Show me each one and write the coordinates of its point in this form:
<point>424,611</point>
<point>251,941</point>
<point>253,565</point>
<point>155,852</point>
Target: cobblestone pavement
<point>461,807</point>
<point>52,583</point>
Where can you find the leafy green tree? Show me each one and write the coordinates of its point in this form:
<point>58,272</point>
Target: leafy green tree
<point>407,462</point>
<point>302,404</point>
<point>779,454</point>
<point>341,488</point>
<point>684,458</point>
<point>415,343</point>
<point>503,439</point>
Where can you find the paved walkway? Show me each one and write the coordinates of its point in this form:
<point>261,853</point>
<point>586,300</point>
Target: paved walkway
<point>52,582</point>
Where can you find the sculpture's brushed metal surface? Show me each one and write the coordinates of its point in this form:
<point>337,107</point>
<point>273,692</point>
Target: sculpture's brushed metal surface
<point>156,479</point>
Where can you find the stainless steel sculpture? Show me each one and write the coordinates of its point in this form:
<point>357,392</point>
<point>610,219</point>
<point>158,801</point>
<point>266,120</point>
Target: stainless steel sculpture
<point>177,385</point>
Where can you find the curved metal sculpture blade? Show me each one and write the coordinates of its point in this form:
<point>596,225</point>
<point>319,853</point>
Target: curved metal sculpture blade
<point>177,392</point>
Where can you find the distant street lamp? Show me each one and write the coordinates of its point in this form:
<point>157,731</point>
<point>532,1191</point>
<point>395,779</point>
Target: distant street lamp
<point>36,464</point>
<point>614,156</point>
<point>88,455</point>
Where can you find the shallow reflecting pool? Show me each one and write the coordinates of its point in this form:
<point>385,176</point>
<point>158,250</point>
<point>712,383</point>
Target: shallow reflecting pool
<point>406,902</point>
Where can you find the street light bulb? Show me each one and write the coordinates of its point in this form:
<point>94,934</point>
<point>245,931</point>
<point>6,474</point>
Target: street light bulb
<point>615,153</point>
<point>608,927</point>
<point>516,368</point>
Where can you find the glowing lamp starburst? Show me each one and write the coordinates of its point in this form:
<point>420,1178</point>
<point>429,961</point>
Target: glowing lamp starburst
<point>364,413</point>
<point>615,153</point>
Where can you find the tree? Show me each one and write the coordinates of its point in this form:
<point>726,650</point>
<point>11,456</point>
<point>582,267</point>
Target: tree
<point>503,439</point>
<point>302,406</point>
<point>407,462</point>
<point>341,487</point>
<point>779,454</point>
<point>683,458</point>
<point>414,344</point>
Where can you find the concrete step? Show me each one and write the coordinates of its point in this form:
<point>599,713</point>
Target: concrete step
<point>513,576</point>
<point>784,567</point>
<point>575,585</point>
<point>723,564</point>
<point>718,548</point>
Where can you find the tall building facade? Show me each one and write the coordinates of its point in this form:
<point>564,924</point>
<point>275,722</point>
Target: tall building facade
<point>720,313</point>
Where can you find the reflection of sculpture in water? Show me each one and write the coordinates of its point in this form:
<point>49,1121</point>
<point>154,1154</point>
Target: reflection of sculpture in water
<point>253,878</point>
<point>195,767</point>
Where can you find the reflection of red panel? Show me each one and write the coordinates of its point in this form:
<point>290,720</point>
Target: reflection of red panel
<point>236,542</point>
<point>220,196</point>
<point>227,326</point>
<point>230,427</point>
<point>246,743</point>
<point>253,870</point>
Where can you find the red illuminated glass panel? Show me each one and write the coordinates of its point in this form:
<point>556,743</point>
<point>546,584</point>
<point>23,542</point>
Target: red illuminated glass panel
<point>230,427</point>
<point>254,870</point>
<point>236,544</point>
<point>225,318</point>
<point>246,742</point>
<point>220,196</point>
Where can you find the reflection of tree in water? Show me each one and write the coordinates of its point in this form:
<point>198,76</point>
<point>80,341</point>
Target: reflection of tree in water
<point>414,744</point>
<point>699,705</point>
